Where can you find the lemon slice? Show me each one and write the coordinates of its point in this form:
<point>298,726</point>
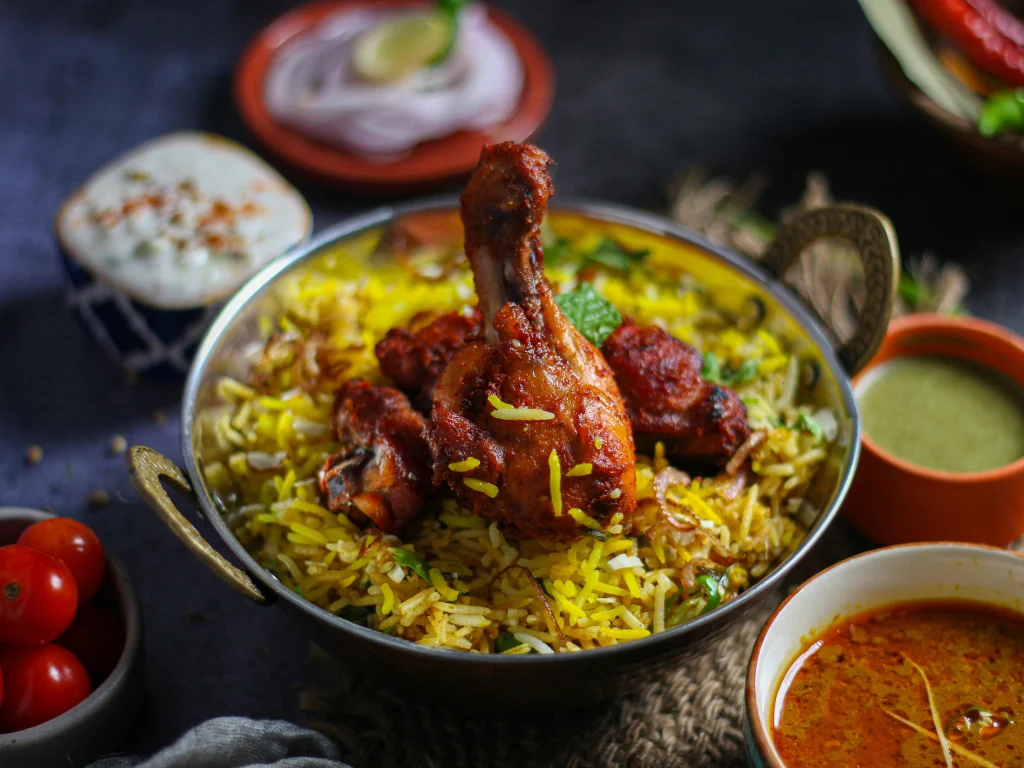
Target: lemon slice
<point>394,50</point>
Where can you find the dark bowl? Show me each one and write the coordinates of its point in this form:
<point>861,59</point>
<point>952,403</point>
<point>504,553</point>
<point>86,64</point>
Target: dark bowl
<point>106,719</point>
<point>564,678</point>
<point>1000,157</point>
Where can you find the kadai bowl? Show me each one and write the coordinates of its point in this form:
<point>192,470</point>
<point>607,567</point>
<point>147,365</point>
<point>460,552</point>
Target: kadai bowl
<point>546,457</point>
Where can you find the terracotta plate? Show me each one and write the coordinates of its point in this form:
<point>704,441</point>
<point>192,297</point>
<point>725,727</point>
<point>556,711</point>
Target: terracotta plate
<point>431,162</point>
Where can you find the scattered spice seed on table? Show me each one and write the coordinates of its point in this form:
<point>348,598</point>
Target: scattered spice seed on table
<point>118,445</point>
<point>33,454</point>
<point>99,498</point>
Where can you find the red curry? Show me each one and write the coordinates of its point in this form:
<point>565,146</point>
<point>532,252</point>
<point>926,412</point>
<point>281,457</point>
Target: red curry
<point>857,695</point>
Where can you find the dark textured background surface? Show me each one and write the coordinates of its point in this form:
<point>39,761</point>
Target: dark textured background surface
<point>644,90</point>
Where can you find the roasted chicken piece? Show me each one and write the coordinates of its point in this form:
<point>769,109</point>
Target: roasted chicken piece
<point>414,360</point>
<point>533,402</point>
<point>667,399</point>
<point>383,472</point>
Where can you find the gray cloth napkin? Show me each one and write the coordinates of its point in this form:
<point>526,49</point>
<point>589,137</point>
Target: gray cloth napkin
<point>238,742</point>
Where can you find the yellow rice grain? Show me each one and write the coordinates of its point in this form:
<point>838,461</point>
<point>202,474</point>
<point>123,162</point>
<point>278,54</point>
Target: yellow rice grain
<point>488,489</point>
<point>580,470</point>
<point>630,578</point>
<point>389,599</point>
<point>555,475</point>
<point>584,519</point>
<point>624,634</point>
<point>497,403</point>
<point>442,586</point>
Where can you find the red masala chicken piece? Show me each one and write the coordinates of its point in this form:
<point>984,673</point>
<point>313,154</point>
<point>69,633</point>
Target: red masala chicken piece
<point>667,399</point>
<point>383,471</point>
<point>414,360</point>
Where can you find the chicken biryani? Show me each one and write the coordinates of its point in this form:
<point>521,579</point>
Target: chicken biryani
<point>521,441</point>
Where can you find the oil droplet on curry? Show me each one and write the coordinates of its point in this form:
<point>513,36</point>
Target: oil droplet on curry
<point>945,414</point>
<point>859,695</point>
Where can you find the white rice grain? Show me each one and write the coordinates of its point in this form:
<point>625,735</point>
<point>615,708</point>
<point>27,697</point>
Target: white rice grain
<point>538,645</point>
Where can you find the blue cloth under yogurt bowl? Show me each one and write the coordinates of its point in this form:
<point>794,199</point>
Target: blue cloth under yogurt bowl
<point>155,241</point>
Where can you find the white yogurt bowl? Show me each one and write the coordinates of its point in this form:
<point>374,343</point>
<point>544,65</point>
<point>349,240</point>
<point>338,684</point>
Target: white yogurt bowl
<point>156,240</point>
<point>910,572</point>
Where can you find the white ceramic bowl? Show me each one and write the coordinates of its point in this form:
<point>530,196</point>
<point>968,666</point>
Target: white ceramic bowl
<point>861,583</point>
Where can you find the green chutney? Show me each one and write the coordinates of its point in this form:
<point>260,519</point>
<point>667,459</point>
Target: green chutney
<point>943,413</point>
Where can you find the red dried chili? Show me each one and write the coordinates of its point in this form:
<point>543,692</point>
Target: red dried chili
<point>987,33</point>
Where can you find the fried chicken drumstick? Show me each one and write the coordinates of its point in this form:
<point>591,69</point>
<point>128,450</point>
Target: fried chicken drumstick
<point>561,439</point>
<point>383,472</point>
<point>667,399</point>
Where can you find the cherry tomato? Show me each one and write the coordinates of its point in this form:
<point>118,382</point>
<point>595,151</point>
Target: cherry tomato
<point>41,683</point>
<point>38,596</point>
<point>96,637</point>
<point>76,545</point>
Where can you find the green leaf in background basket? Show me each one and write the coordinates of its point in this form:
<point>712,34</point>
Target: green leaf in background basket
<point>1002,113</point>
<point>912,291</point>
<point>592,314</point>
<point>409,559</point>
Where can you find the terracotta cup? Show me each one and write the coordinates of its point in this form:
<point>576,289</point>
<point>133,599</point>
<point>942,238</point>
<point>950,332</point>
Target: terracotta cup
<point>895,502</point>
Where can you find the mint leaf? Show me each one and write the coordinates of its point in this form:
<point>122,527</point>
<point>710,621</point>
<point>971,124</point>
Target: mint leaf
<point>592,314</point>
<point>409,559</point>
<point>610,254</point>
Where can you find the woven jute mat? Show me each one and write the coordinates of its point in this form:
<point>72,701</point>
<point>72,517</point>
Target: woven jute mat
<point>693,717</point>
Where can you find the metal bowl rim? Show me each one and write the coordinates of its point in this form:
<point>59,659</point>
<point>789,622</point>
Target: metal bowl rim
<point>600,211</point>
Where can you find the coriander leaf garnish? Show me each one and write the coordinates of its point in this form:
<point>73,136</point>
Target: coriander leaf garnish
<point>356,613</point>
<point>746,372</point>
<point>592,314</point>
<point>558,251</point>
<point>712,370</point>
<point>610,254</point>
<point>409,559</point>
<point>808,424</point>
<point>506,641</point>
